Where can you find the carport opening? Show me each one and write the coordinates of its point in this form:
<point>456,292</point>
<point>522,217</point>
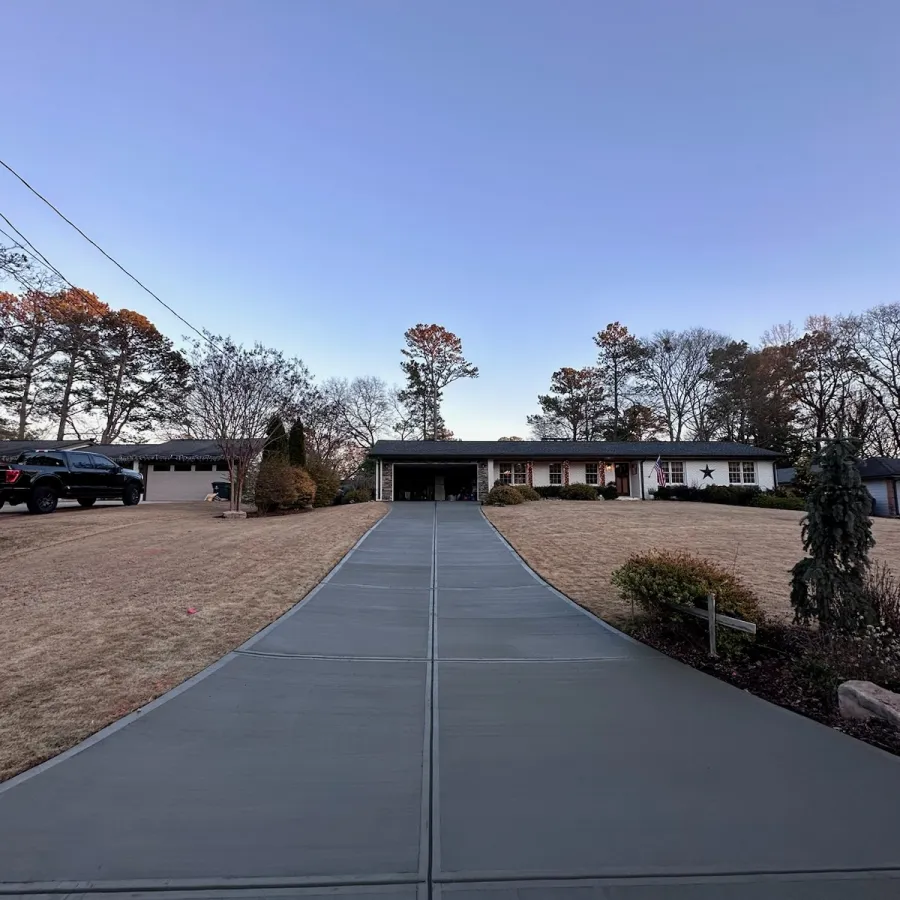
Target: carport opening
<point>435,482</point>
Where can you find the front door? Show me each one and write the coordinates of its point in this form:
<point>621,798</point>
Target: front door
<point>623,481</point>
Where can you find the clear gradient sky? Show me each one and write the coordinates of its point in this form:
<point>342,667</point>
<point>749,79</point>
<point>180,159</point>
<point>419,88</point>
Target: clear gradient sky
<point>321,174</point>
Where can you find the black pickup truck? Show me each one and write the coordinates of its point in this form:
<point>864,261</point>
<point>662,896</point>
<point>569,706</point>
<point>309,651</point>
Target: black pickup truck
<point>41,478</point>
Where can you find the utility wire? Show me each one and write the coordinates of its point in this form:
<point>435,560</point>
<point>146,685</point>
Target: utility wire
<point>114,261</point>
<point>34,250</point>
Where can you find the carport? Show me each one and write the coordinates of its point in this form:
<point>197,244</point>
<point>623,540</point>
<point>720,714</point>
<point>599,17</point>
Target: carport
<point>435,481</point>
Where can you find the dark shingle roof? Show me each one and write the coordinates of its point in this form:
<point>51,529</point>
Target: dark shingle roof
<point>9,450</point>
<point>874,467</point>
<point>186,449</point>
<point>880,467</point>
<point>568,450</point>
<point>175,450</point>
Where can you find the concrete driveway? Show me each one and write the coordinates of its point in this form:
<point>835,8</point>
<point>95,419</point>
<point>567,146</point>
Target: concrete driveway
<point>434,721</point>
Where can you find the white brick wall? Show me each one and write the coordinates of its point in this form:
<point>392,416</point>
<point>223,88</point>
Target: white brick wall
<point>693,475</point>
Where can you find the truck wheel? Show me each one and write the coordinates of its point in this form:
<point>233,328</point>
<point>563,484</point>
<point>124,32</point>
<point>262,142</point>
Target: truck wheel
<point>42,500</point>
<point>87,502</point>
<point>132,496</point>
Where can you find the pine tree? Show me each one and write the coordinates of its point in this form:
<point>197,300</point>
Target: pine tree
<point>297,445</point>
<point>829,584</point>
<point>276,444</point>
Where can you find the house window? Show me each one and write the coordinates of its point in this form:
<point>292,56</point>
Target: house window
<point>203,467</point>
<point>161,467</point>
<point>742,473</point>
<point>674,471</point>
<point>222,466</point>
<point>590,473</point>
<point>555,473</point>
<point>513,473</point>
<point>182,467</point>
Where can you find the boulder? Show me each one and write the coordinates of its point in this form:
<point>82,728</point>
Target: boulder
<point>863,700</point>
<point>234,514</point>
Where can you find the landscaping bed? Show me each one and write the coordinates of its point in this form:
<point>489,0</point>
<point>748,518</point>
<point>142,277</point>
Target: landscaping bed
<point>785,665</point>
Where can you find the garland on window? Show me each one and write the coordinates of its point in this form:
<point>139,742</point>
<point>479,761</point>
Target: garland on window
<point>529,473</point>
<point>601,471</point>
<point>565,471</point>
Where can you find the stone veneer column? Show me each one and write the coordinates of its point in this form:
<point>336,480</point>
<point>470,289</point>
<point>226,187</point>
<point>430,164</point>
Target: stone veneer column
<point>387,480</point>
<point>482,487</point>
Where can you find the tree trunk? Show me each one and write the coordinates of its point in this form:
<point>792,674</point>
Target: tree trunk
<point>66,400</point>
<point>23,407</point>
<point>109,432</point>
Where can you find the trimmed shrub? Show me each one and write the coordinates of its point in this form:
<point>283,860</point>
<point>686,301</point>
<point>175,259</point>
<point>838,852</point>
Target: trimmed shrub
<point>678,492</point>
<point>504,495</point>
<point>608,492</point>
<point>549,491</point>
<point>527,492</point>
<point>358,495</point>
<point>733,495</point>
<point>730,494</point>
<point>276,485</point>
<point>578,492</point>
<point>653,580</point>
<point>773,501</point>
<point>305,488</point>
<point>328,485</point>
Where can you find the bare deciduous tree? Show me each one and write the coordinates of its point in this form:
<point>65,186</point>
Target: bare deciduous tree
<point>672,370</point>
<point>235,393</point>
<point>367,410</point>
<point>877,342</point>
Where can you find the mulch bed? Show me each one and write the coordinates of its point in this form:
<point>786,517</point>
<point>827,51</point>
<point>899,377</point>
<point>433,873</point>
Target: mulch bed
<point>778,667</point>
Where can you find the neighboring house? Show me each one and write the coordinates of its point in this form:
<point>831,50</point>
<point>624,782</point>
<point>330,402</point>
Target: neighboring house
<point>438,470</point>
<point>879,474</point>
<point>173,471</point>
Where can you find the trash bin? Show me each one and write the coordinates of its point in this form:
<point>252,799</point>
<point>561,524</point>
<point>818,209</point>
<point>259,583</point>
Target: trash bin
<point>222,489</point>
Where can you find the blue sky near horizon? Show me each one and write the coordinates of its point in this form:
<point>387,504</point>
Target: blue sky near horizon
<point>321,174</point>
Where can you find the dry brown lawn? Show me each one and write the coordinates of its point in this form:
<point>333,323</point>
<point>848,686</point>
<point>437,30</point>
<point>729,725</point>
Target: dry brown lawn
<point>576,546</point>
<point>94,606</point>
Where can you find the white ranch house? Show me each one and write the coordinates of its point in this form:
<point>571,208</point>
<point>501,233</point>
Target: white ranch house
<point>443,470</point>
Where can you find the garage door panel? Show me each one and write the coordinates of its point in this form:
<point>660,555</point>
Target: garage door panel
<point>174,486</point>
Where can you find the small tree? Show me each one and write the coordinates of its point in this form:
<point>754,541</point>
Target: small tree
<point>828,585</point>
<point>297,445</point>
<point>276,485</point>
<point>328,484</point>
<point>276,440</point>
<point>804,477</point>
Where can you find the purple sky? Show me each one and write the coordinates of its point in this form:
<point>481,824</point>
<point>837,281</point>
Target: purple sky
<point>321,174</point>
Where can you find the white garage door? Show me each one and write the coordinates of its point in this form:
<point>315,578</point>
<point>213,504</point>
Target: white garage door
<point>169,485</point>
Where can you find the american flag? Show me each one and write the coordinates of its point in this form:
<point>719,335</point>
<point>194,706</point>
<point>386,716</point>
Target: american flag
<point>660,474</point>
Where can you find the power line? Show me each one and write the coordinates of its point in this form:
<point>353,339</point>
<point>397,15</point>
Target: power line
<point>114,261</point>
<point>32,249</point>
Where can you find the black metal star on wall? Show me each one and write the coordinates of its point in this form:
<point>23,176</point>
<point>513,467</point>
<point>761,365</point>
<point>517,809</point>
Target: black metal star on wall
<point>707,472</point>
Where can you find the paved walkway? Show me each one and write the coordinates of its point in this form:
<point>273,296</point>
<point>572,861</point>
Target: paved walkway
<point>435,722</point>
